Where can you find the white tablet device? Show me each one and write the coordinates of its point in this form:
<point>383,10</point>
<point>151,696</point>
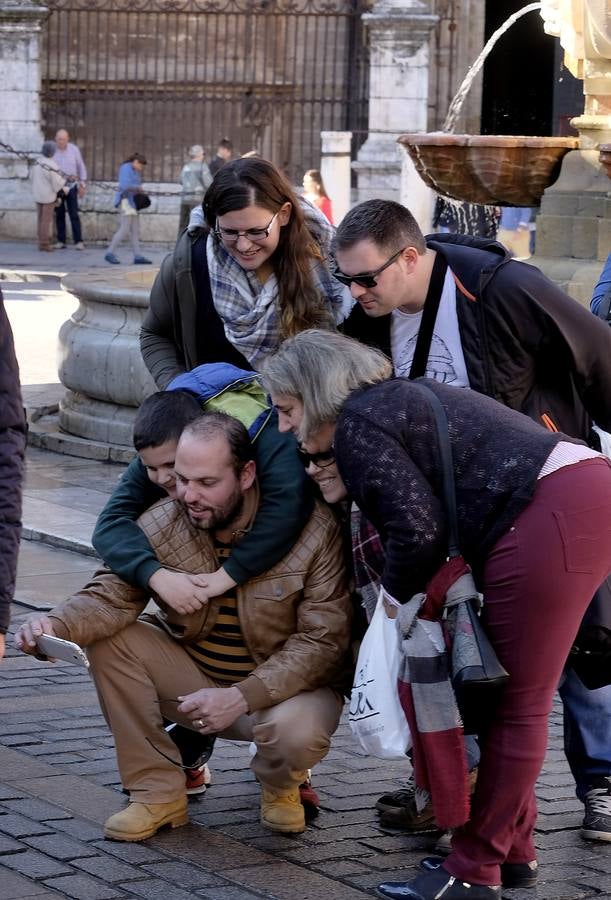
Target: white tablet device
<point>57,648</point>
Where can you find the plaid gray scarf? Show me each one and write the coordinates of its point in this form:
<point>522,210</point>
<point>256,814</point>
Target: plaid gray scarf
<point>427,695</point>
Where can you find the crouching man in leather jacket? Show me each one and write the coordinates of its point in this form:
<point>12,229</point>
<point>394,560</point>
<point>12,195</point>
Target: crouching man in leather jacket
<point>266,663</point>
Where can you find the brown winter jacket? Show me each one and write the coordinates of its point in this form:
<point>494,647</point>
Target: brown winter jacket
<point>295,618</point>
<point>12,448</point>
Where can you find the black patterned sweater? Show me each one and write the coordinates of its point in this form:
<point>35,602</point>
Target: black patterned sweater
<point>386,448</point>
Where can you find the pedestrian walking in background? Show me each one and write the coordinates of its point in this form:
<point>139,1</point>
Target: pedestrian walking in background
<point>515,230</point>
<point>47,182</point>
<point>224,153</point>
<point>314,191</point>
<point>195,179</point>
<point>253,272</point>
<point>130,184</point>
<point>70,162</point>
<point>12,452</point>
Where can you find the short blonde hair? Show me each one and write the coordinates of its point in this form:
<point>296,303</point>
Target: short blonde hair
<point>321,368</point>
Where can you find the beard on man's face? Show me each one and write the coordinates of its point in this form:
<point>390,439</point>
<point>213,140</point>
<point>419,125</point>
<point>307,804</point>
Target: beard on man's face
<point>219,518</point>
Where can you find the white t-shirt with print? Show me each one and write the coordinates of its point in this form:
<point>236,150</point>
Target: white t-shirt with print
<point>446,362</point>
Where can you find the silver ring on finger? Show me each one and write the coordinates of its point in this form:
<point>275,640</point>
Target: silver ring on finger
<point>199,723</point>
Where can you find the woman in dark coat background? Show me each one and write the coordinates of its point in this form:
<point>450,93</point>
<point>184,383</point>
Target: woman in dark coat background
<point>12,449</point>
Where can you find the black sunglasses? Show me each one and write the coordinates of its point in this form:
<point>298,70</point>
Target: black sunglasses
<point>365,279</point>
<point>321,460</point>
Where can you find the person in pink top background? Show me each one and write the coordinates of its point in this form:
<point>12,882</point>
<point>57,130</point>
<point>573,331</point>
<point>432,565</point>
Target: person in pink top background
<point>314,191</point>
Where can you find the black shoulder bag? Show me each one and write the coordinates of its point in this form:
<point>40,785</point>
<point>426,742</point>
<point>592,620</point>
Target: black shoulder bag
<point>141,201</point>
<point>477,675</point>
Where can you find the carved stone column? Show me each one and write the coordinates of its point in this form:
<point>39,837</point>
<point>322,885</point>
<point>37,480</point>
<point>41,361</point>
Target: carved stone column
<point>399,32</point>
<point>20,26</point>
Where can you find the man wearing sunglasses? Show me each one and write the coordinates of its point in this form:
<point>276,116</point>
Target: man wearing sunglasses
<point>460,310</point>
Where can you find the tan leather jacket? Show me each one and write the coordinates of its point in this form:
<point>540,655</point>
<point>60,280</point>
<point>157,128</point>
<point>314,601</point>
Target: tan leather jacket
<point>295,618</point>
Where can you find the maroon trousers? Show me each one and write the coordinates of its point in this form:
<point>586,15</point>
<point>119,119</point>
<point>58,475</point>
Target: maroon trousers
<point>538,581</point>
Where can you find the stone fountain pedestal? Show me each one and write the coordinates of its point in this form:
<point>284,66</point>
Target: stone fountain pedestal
<point>574,225</point>
<point>100,366</point>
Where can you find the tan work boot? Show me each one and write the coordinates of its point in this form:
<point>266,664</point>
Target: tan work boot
<point>282,810</point>
<point>139,821</point>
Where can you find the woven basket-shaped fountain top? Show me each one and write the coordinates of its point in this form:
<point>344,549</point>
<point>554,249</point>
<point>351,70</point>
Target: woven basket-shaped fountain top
<point>502,170</point>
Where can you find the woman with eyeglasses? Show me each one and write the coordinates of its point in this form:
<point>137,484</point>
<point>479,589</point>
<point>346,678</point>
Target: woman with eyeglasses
<point>534,520</point>
<point>250,270</point>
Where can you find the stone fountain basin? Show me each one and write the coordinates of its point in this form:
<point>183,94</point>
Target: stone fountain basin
<point>99,354</point>
<point>501,170</point>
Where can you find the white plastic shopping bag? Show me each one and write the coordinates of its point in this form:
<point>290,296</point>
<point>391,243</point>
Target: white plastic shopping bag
<point>376,716</point>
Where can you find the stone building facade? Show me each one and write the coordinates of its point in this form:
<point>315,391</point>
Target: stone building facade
<point>271,74</point>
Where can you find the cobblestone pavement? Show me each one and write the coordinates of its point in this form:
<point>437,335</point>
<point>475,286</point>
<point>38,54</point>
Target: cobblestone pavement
<point>58,783</point>
<point>26,255</point>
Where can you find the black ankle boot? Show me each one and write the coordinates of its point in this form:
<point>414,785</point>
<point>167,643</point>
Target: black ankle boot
<point>519,875</point>
<point>437,883</point>
<point>513,875</point>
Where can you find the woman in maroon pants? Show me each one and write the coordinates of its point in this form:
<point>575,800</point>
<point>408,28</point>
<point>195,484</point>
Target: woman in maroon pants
<point>534,518</point>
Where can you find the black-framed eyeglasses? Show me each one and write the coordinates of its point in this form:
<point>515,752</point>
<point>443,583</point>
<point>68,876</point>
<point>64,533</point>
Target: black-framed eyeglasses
<point>321,460</point>
<point>366,279</point>
<point>231,235</point>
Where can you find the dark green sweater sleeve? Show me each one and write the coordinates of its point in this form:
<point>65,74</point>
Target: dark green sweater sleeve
<point>286,505</point>
<point>117,538</point>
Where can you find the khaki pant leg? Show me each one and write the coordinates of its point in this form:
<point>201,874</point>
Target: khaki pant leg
<point>293,736</point>
<point>39,209</point>
<point>45,223</point>
<point>138,675</point>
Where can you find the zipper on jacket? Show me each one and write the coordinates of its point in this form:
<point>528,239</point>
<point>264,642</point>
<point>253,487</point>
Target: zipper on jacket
<point>549,423</point>
<point>484,339</point>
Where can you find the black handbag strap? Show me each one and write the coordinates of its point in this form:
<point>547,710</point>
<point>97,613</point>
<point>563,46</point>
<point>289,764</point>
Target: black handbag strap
<point>429,315</point>
<point>447,468</point>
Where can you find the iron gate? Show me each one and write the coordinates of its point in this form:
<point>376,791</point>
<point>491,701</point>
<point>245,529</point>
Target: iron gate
<point>156,76</point>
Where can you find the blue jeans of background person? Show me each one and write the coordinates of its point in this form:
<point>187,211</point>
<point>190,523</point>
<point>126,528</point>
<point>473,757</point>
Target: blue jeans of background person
<point>587,730</point>
<point>69,202</point>
<point>472,748</point>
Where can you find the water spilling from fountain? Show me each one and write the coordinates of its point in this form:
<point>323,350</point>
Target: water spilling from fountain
<point>498,170</point>
<point>459,98</point>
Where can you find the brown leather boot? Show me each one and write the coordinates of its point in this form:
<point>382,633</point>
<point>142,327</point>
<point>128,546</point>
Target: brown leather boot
<point>282,809</point>
<point>139,821</point>
<point>398,810</point>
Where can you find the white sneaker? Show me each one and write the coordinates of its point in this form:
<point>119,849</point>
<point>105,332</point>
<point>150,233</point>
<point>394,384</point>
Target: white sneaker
<point>59,246</point>
<point>79,246</point>
<point>597,820</point>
